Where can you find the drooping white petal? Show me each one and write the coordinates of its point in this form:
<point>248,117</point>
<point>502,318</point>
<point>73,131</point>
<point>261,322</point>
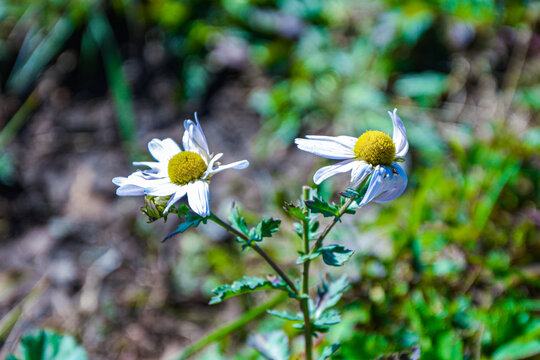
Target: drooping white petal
<point>199,136</point>
<point>213,161</point>
<point>194,139</point>
<point>174,199</point>
<point>347,141</point>
<point>326,171</point>
<point>198,197</point>
<point>155,167</point>
<point>360,172</point>
<point>136,183</point>
<point>162,190</point>
<point>130,190</point>
<point>374,185</point>
<point>238,165</point>
<point>399,135</point>
<point>159,151</point>
<point>392,187</point>
<point>330,147</point>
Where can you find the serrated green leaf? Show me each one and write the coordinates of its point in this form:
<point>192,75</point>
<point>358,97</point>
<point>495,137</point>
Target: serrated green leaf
<point>335,255</point>
<point>329,351</point>
<point>329,317</point>
<point>320,206</point>
<point>286,315</point>
<point>264,229</point>
<point>238,221</point>
<point>295,211</point>
<point>246,285</point>
<point>47,345</point>
<point>190,219</point>
<point>330,293</point>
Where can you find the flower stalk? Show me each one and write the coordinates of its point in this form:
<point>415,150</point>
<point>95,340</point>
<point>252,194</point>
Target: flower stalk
<point>304,302</point>
<point>225,225</point>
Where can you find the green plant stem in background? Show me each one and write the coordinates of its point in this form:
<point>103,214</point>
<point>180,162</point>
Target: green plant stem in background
<point>255,247</point>
<point>305,282</point>
<point>8,322</point>
<point>329,227</point>
<point>225,330</point>
<point>19,119</point>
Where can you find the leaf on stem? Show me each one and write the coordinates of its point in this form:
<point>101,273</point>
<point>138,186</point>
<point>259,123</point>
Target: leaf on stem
<point>295,211</point>
<point>330,317</point>
<point>246,285</point>
<point>238,221</point>
<point>320,206</point>
<point>334,255</point>
<point>329,351</point>
<point>264,229</point>
<point>329,293</point>
<point>190,219</point>
<point>286,315</point>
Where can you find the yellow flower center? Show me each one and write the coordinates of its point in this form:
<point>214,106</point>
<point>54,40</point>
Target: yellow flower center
<point>185,167</point>
<point>375,148</point>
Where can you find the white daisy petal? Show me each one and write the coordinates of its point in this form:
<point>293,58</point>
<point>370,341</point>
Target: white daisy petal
<point>130,190</point>
<point>399,135</point>
<point>347,141</point>
<point>330,147</point>
<point>155,181</point>
<point>134,184</point>
<point>171,146</point>
<point>155,167</point>
<point>162,190</point>
<point>374,185</point>
<point>392,187</point>
<point>213,161</point>
<point>199,136</point>
<point>198,197</point>
<point>194,139</point>
<point>330,170</point>
<point>159,151</point>
<point>174,199</point>
<point>360,172</point>
<point>238,165</point>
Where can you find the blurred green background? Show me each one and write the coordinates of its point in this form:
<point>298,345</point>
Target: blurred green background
<point>452,265</point>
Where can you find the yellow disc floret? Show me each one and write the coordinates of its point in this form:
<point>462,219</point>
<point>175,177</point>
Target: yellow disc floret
<point>375,148</point>
<point>185,167</point>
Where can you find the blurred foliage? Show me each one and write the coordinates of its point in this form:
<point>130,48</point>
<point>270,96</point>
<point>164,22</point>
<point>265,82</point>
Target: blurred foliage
<point>48,345</point>
<point>459,274</point>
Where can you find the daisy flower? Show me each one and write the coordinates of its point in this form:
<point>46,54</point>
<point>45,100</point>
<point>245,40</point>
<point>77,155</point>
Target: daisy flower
<point>177,172</point>
<point>373,154</point>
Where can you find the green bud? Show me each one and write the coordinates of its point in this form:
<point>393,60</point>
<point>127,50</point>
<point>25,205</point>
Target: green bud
<point>154,207</point>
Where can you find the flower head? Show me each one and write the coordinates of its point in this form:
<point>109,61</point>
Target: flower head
<point>177,172</point>
<point>373,154</point>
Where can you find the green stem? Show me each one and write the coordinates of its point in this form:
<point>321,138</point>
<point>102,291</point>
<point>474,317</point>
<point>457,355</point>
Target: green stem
<point>255,247</point>
<point>233,326</point>
<point>329,227</point>
<point>304,304</point>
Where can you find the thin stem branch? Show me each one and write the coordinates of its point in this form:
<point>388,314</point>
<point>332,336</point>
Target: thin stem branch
<point>255,247</point>
<point>329,227</point>
<point>304,304</point>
